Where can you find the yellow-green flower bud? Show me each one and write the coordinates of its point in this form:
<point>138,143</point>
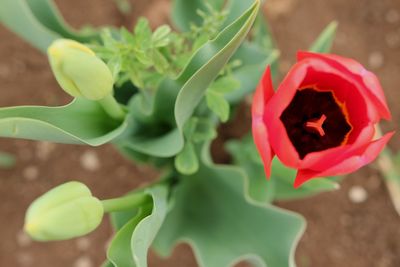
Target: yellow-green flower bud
<point>78,71</point>
<point>68,210</point>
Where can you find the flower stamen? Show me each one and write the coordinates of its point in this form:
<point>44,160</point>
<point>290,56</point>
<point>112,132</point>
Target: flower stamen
<point>316,125</point>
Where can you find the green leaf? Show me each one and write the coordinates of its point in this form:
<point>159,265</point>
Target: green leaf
<point>130,245</point>
<point>253,60</point>
<point>107,264</point>
<point>80,122</point>
<point>280,185</point>
<point>186,161</point>
<point>223,227</point>
<point>38,22</point>
<point>186,91</point>
<point>17,16</point>
<point>194,88</point>
<point>118,252</point>
<point>159,37</point>
<point>324,41</point>
<point>226,84</point>
<point>203,130</point>
<point>217,103</point>
<point>6,160</point>
<point>49,16</point>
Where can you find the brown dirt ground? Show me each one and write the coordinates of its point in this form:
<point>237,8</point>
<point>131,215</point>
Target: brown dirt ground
<point>340,232</point>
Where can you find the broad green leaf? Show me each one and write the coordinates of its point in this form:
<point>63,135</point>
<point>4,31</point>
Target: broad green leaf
<point>186,161</point>
<point>324,41</point>
<point>49,16</point>
<point>17,16</point>
<point>80,122</point>
<point>280,185</point>
<point>118,252</point>
<point>186,91</point>
<point>130,245</point>
<point>213,214</point>
<point>38,22</point>
<point>6,160</point>
<point>217,103</point>
<point>227,41</point>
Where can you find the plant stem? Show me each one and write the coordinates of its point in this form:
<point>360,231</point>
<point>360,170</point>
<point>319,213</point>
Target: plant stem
<point>390,174</point>
<point>112,107</point>
<point>126,202</point>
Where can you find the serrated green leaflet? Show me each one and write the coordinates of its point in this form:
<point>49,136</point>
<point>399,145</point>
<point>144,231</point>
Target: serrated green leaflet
<point>324,41</point>
<point>185,12</point>
<point>280,185</point>
<point>213,214</point>
<point>188,89</point>
<point>80,122</point>
<point>186,161</point>
<point>130,245</point>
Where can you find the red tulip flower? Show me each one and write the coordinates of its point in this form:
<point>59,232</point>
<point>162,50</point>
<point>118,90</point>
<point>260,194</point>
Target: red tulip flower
<point>321,120</point>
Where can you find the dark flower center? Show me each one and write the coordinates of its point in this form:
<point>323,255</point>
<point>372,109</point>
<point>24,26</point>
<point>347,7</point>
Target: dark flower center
<point>315,121</point>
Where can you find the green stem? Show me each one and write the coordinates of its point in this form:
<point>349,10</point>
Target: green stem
<point>390,174</point>
<point>126,202</point>
<point>112,107</point>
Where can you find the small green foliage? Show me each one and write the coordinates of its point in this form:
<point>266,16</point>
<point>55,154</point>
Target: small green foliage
<point>145,57</point>
<point>215,96</point>
<point>186,162</point>
<point>212,21</point>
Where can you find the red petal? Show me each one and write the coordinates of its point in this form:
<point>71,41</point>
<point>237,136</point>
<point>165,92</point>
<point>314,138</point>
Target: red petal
<point>262,95</point>
<point>366,155</point>
<point>278,137</point>
<point>322,160</point>
<point>368,79</point>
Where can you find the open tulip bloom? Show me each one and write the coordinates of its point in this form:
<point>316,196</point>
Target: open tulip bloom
<point>159,97</point>
<point>321,120</point>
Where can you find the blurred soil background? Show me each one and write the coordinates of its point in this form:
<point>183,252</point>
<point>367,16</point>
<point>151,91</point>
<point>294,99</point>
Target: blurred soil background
<point>355,226</point>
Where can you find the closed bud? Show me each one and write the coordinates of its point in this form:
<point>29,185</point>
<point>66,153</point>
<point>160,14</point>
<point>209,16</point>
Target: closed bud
<point>65,212</point>
<point>78,71</point>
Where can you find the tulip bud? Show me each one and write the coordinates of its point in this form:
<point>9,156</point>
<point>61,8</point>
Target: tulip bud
<point>78,71</point>
<point>65,212</point>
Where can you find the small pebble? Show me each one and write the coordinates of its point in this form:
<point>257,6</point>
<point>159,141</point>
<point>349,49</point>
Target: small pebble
<point>83,261</point>
<point>90,161</point>
<point>31,173</point>
<point>23,239</point>
<point>44,149</point>
<point>392,16</point>
<point>392,39</point>
<point>358,194</point>
<point>375,60</point>
<point>83,243</point>
<point>24,259</point>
